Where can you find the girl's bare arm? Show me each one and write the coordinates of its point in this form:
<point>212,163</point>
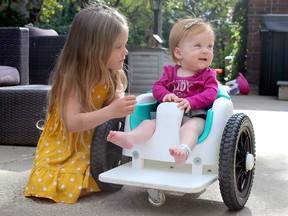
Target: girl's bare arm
<point>77,121</point>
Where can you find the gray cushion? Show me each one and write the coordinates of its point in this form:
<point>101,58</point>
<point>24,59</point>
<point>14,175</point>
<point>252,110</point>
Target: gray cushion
<point>34,31</point>
<point>9,76</point>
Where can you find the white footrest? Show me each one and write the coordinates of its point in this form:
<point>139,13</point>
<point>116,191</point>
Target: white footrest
<point>159,175</point>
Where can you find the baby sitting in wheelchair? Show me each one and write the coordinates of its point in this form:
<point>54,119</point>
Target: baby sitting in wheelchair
<point>190,83</point>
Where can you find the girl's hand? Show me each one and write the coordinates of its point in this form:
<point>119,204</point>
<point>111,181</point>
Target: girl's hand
<point>122,107</point>
<point>184,104</point>
<point>170,98</point>
<point>77,121</point>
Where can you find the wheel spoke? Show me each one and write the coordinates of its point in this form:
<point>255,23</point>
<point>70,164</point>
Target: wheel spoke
<point>242,180</point>
<point>240,155</point>
<point>239,164</point>
<point>247,144</point>
<point>243,147</point>
<point>112,150</point>
<point>112,156</point>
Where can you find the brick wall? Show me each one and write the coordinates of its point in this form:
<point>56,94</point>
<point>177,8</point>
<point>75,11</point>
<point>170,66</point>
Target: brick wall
<point>256,9</point>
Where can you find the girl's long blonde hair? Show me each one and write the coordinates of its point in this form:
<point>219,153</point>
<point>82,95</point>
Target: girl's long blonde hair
<point>82,64</point>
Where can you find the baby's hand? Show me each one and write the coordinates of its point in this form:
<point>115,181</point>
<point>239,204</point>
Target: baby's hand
<point>123,106</point>
<point>170,98</point>
<point>184,104</point>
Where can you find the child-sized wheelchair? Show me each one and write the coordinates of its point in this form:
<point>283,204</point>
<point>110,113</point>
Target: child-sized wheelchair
<point>225,152</point>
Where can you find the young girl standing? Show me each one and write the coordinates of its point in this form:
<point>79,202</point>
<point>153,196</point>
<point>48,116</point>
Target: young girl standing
<point>87,89</point>
<point>191,83</point>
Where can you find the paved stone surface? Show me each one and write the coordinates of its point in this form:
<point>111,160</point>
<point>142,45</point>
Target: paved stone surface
<point>269,196</point>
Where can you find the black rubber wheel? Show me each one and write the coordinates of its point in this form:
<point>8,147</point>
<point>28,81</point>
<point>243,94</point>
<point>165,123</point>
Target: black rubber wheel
<point>236,169</point>
<point>105,155</point>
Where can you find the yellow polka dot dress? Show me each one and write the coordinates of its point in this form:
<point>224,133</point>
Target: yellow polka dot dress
<point>62,164</point>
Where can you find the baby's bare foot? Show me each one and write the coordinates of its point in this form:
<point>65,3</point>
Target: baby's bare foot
<point>179,155</point>
<point>121,139</point>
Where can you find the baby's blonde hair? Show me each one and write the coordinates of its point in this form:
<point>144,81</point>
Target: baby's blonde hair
<point>185,27</point>
<point>83,63</point>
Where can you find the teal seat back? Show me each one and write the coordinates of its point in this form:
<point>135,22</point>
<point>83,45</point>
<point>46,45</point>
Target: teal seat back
<point>142,112</point>
<point>209,118</point>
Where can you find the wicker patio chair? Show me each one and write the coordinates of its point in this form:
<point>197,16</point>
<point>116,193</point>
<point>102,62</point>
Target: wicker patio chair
<point>21,106</point>
<point>14,50</point>
<point>43,54</point>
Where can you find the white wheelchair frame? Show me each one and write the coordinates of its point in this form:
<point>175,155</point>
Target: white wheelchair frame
<point>153,168</point>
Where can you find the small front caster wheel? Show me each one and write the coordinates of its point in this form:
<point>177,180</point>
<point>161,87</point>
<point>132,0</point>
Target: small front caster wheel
<point>158,200</point>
